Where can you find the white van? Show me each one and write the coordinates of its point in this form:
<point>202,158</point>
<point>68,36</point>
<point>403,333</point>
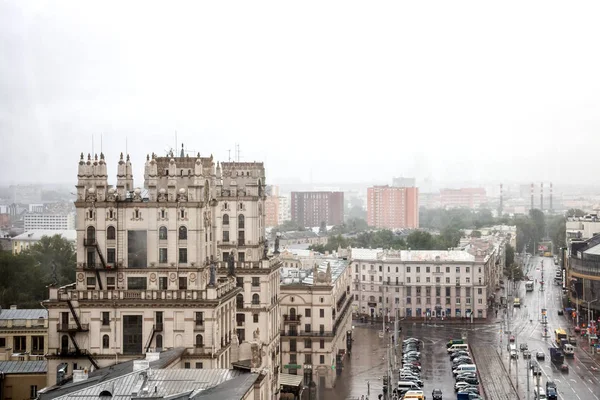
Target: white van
<point>541,395</point>
<point>465,368</point>
<point>405,386</point>
<point>457,347</point>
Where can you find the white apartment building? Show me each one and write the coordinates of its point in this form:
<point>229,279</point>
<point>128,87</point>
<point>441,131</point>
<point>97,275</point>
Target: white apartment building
<point>172,265</point>
<point>39,221</point>
<point>285,209</point>
<point>419,284</point>
<point>316,330</point>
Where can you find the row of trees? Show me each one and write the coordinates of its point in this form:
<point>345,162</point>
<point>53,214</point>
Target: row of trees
<point>25,276</point>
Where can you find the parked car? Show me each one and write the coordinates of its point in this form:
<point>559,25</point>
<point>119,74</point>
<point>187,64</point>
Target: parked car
<point>540,355</point>
<point>470,381</point>
<point>461,386</point>
<point>523,346</point>
<point>459,354</point>
<point>465,375</point>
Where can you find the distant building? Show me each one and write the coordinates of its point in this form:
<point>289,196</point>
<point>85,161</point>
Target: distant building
<point>26,194</point>
<point>272,206</point>
<point>393,207</point>
<point>310,209</point>
<point>284,209</point>
<point>404,182</point>
<point>462,198</point>
<point>37,221</point>
<point>36,208</point>
<point>25,240</point>
<point>316,328</point>
<point>4,220</point>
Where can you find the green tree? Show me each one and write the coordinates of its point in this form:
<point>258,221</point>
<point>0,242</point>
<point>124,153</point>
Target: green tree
<point>476,234</point>
<point>526,234</point>
<point>557,232</point>
<point>22,281</point>
<point>357,212</point>
<point>509,255</point>
<point>575,212</point>
<point>420,240</point>
<point>56,257</point>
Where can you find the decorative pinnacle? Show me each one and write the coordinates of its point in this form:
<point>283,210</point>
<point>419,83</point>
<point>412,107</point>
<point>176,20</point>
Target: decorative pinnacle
<point>82,155</point>
<point>89,157</point>
<point>121,155</point>
<point>127,157</point>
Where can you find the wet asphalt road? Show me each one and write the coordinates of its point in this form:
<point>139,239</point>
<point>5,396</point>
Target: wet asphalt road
<point>582,382</point>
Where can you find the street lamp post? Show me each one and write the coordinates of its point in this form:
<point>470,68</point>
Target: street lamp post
<point>588,322</point>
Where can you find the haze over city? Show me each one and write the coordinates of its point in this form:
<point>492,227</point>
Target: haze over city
<point>319,91</point>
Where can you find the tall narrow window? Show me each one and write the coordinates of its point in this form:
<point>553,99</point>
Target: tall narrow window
<point>225,219</point>
<point>199,341</point>
<point>162,233</point>
<point>241,221</point>
<point>91,234</point>
<point>105,342</point>
<point>111,233</point>
<point>182,233</point>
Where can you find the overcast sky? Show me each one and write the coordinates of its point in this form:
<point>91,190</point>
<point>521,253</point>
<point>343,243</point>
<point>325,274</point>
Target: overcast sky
<point>352,91</point>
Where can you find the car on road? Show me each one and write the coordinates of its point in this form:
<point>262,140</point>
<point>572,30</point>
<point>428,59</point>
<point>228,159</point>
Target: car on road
<point>560,311</point>
<point>536,370</point>
<point>564,368</point>
<point>461,386</point>
<point>412,379</point>
<point>468,395</point>
<point>511,338</point>
<point>526,354</point>
<point>436,394</point>
<point>514,354</point>
<point>540,355</point>
<point>523,346</point>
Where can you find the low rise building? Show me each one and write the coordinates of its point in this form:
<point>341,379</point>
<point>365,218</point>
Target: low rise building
<point>23,334</point>
<point>54,222</point>
<point>307,238</point>
<point>424,283</point>
<point>29,238</point>
<point>22,379</point>
<point>316,328</point>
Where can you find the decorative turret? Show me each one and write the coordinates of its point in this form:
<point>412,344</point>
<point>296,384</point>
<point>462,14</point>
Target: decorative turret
<point>219,172</point>
<point>172,180</point>
<point>124,177</point>
<point>101,178</point>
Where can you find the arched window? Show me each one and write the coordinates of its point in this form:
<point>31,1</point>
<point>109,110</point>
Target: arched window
<point>241,221</point>
<point>199,341</point>
<point>292,314</point>
<point>91,233</point>
<point>182,233</point>
<point>239,300</point>
<point>225,219</point>
<point>255,298</point>
<point>162,233</point>
<point>105,342</point>
<point>111,233</point>
<point>105,393</point>
<point>64,344</point>
<point>159,342</point>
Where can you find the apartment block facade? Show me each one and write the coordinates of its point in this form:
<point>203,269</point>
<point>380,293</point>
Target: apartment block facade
<point>165,266</point>
<point>316,329</point>
<point>424,284</point>
<point>462,198</point>
<point>40,221</point>
<point>393,207</point>
<point>311,209</point>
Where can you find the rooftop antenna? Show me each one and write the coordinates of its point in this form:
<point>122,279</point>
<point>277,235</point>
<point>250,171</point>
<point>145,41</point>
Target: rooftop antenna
<point>101,143</point>
<point>126,146</point>
<point>92,145</point>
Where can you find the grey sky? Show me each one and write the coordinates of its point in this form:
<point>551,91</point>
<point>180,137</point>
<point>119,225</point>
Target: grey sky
<point>353,91</point>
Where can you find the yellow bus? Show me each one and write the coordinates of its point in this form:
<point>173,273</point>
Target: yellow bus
<point>559,334</point>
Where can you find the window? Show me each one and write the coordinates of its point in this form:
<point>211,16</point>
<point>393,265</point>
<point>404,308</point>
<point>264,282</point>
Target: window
<point>162,233</point>
<point>380,268</point>
<point>479,291</point>
<point>437,279</point>
<point>241,256</point>
<point>418,270</point>
<point>163,283</point>
<point>162,213</point>
<point>91,231</point>
<point>105,318</point>
<point>321,359</point>
<point>458,270</point>
<point>408,269</point>
<point>91,281</point>
<point>292,348</point>
<point>307,328</point>
<point>468,269</point>
<point>479,301</point>
<point>437,269</point>
<point>308,343</point>
<point>427,269</point>
<point>182,283</point>
<point>2,342</point>
<point>241,237</point>
<point>307,358</point>
<point>322,343</point>
<point>136,283</point>
<point>19,344</point>
<point>186,365</point>
<point>182,233</point>
<point>110,233</point>
<point>199,341</point>
<point>255,318</point>
<point>447,270</point>
<point>255,281</point>
<point>162,256</point>
<point>199,318</point>
<point>241,221</point>
<point>182,213</point>
<point>225,236</point>
<point>105,342</point>
<point>239,300</point>
<point>199,365</point>
<point>255,299</point>
<point>37,345</point>
<point>322,313</point>
<point>307,312</point>
<point>183,255</point>
<point>111,254</point>
<point>33,391</point>
<point>159,342</point>
<point>447,279</point>
<point>225,218</point>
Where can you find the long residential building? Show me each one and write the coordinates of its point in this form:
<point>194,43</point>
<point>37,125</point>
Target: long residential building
<point>311,209</point>
<point>41,221</point>
<point>316,329</point>
<point>462,198</point>
<point>175,264</point>
<point>427,283</point>
<point>391,207</point>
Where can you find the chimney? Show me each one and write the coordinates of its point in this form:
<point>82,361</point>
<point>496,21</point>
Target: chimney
<point>80,375</point>
<point>13,307</point>
<point>140,365</point>
<point>152,356</point>
<point>542,196</point>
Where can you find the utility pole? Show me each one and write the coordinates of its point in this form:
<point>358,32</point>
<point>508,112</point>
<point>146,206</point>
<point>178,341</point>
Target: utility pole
<point>528,369</point>
<point>537,378</point>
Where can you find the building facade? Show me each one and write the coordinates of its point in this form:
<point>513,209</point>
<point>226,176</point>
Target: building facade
<point>393,207</point>
<point>582,270</point>
<point>272,206</point>
<point>462,198</point>
<point>27,239</point>
<point>40,221</point>
<point>284,209</point>
<point>165,266</point>
<point>311,209</point>
<point>23,334</point>
<point>316,329</point>
<point>423,283</point>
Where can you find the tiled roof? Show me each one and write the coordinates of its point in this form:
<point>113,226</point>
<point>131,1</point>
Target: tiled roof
<point>23,367</point>
<point>35,235</point>
<point>35,313</point>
